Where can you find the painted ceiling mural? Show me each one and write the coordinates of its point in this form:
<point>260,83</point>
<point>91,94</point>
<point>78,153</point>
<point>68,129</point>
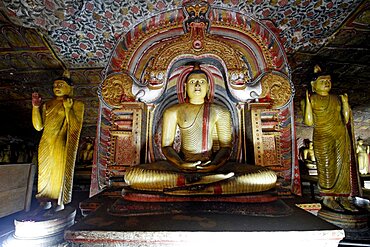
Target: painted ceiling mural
<point>82,36</point>
<point>83,33</point>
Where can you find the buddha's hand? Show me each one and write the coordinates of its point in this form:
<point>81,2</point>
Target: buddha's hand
<point>36,100</point>
<point>307,97</point>
<point>190,166</point>
<point>344,98</point>
<point>67,103</point>
<point>206,167</point>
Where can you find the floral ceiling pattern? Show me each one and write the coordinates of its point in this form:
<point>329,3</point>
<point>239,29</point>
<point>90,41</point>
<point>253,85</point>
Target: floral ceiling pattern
<point>84,32</point>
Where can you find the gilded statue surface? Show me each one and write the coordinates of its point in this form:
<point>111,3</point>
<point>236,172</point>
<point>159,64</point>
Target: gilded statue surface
<point>201,124</point>
<point>61,121</point>
<point>329,114</point>
<point>117,89</point>
<point>309,156</point>
<point>362,157</point>
<point>277,88</point>
<point>309,153</point>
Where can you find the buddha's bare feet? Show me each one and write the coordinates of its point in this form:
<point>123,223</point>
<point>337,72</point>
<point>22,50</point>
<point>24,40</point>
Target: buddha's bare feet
<point>45,205</point>
<point>41,209</point>
<point>346,203</point>
<point>59,207</point>
<point>330,202</point>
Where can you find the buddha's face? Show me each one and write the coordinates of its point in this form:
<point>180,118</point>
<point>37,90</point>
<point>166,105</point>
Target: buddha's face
<point>61,88</point>
<point>197,86</point>
<point>322,85</point>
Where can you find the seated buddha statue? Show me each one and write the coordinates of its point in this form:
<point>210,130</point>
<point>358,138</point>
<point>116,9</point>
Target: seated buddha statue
<point>198,168</point>
<point>309,156</point>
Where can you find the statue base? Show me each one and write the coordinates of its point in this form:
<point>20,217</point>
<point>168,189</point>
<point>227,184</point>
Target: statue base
<point>41,228</point>
<point>199,227</point>
<point>122,207</point>
<point>140,196</point>
<point>347,221</point>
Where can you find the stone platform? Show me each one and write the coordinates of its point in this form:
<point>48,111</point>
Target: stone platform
<point>138,196</point>
<point>122,207</point>
<point>192,227</point>
<point>349,222</point>
<point>41,228</point>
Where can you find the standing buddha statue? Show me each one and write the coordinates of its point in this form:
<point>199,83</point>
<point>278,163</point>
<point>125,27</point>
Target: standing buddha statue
<point>61,121</point>
<point>329,115</point>
<point>362,157</point>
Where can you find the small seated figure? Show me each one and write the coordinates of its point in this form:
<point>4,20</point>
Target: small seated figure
<point>6,154</point>
<point>362,157</point>
<point>22,154</point>
<point>86,156</point>
<point>197,169</point>
<point>309,156</point>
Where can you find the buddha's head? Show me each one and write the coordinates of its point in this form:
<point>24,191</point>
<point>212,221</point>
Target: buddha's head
<point>63,87</point>
<point>321,83</point>
<point>360,142</point>
<point>310,145</point>
<point>197,86</point>
<point>88,145</point>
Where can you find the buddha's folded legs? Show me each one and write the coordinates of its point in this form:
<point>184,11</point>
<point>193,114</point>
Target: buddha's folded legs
<point>233,178</point>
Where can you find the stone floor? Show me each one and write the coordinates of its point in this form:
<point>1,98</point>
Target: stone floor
<point>353,238</point>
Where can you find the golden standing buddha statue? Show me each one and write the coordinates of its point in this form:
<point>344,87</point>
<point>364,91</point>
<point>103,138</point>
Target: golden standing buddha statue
<point>329,116</point>
<point>61,121</point>
<point>362,157</point>
<point>199,122</point>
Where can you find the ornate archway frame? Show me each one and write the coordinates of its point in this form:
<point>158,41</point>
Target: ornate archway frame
<point>250,57</point>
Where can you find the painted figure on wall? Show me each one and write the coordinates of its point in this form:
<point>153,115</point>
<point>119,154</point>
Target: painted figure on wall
<point>362,156</point>
<point>61,121</point>
<point>198,168</point>
<point>329,114</point>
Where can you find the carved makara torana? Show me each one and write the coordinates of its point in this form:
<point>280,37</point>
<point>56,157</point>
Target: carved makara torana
<point>116,89</point>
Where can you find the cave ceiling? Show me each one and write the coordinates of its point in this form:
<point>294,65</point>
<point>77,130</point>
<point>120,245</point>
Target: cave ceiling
<point>41,38</point>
